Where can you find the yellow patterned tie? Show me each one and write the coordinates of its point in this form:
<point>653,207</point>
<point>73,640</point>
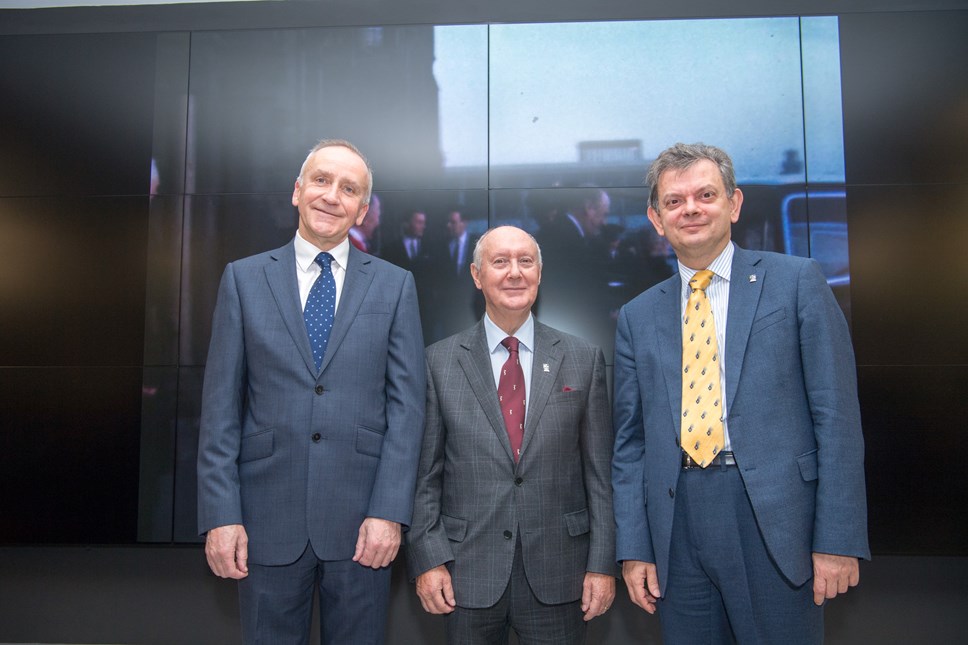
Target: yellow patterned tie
<point>702,411</point>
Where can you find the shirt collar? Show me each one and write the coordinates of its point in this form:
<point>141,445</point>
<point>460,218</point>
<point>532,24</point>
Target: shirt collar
<point>524,334</point>
<point>721,266</point>
<point>306,253</point>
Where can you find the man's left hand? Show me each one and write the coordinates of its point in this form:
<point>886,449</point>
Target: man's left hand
<point>598,592</point>
<point>833,574</point>
<point>378,543</point>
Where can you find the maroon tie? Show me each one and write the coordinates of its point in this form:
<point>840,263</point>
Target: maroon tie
<point>510,393</point>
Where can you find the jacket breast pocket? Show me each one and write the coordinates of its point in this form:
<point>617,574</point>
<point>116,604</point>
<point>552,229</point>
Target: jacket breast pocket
<point>454,527</point>
<point>768,320</point>
<point>256,446</point>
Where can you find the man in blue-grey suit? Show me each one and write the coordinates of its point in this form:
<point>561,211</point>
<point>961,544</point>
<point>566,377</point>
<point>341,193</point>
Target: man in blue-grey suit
<point>311,426</point>
<point>742,543</point>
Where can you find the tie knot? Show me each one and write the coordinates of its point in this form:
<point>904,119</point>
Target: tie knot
<point>701,280</point>
<point>511,344</point>
<point>324,259</point>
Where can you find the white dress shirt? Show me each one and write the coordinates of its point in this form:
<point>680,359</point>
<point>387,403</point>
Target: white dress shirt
<point>307,270</point>
<point>718,294</point>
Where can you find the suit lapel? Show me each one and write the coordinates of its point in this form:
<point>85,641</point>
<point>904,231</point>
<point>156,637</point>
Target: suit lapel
<point>476,363</point>
<point>668,329</point>
<point>544,374</point>
<point>359,275</point>
<point>744,296</point>
<point>281,276</point>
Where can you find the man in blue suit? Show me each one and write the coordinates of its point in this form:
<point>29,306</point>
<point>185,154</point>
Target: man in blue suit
<point>307,464</point>
<point>742,543</point>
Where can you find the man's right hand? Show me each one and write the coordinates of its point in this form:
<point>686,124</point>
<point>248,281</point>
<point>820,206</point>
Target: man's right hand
<point>227,551</point>
<point>642,582</point>
<point>435,591</point>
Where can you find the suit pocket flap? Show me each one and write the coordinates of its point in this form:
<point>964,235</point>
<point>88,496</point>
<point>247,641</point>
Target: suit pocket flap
<point>454,527</point>
<point>369,441</point>
<point>808,465</point>
<point>577,522</point>
<point>256,446</point>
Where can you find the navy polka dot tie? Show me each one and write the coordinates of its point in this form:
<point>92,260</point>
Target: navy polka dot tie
<point>320,308</point>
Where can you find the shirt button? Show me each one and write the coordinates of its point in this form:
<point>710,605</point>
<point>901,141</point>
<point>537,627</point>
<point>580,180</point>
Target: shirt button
<point>672,493</point>
<point>319,389</point>
<point>508,535</point>
<point>317,437</point>
<point>518,481</point>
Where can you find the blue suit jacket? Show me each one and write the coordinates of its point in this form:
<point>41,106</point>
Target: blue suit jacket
<point>793,415</point>
<point>297,454</point>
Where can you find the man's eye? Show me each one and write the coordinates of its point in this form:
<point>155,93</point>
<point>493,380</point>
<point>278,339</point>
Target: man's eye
<point>500,262</point>
<point>349,190</point>
<point>526,262</point>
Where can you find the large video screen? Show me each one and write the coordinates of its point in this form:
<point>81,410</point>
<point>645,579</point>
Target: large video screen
<point>545,126</point>
<point>471,126</point>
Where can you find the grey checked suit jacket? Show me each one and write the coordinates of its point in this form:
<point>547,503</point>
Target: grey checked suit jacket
<point>299,455</point>
<point>793,414</point>
<point>473,502</point>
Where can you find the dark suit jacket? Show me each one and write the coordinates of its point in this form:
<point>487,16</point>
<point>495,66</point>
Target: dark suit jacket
<point>473,501</point>
<point>297,454</point>
<point>793,415</point>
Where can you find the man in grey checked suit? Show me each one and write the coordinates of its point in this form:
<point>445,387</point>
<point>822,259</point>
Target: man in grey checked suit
<point>306,470</point>
<point>500,542</point>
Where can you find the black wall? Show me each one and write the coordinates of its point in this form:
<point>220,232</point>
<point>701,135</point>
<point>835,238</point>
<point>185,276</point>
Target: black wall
<point>73,240</point>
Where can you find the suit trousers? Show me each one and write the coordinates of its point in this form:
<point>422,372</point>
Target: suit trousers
<point>276,602</point>
<point>723,587</point>
<point>534,622</point>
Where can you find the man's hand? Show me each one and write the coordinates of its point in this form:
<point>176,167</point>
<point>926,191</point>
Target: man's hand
<point>378,543</point>
<point>435,591</point>
<point>597,594</point>
<point>642,582</point>
<point>833,574</point>
<point>227,551</point>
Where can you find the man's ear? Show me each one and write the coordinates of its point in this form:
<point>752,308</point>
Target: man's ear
<point>656,221</point>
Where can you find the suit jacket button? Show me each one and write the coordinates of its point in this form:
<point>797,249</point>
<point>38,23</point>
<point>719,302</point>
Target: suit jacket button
<point>518,481</point>
<point>317,437</point>
<point>508,535</point>
<point>672,493</point>
<point>319,389</point>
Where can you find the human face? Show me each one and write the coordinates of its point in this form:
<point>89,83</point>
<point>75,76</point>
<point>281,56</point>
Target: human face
<point>455,225</point>
<point>596,214</point>
<point>329,196</point>
<point>509,276</point>
<point>372,221</point>
<point>695,214</point>
<point>417,225</point>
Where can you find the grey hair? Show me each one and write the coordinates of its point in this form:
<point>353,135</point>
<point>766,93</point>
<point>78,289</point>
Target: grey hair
<point>478,248</point>
<point>681,157</point>
<point>341,143</point>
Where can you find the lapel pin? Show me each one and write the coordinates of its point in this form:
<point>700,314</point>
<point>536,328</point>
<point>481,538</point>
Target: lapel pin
<point>545,367</point>
<point>753,277</point>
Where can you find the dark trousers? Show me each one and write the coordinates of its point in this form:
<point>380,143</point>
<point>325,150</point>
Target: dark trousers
<point>723,587</point>
<point>276,602</point>
<point>534,622</point>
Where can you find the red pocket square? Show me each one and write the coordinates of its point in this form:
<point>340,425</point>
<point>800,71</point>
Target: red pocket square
<point>566,389</point>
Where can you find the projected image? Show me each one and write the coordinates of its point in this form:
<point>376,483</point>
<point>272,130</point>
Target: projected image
<point>550,127</point>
